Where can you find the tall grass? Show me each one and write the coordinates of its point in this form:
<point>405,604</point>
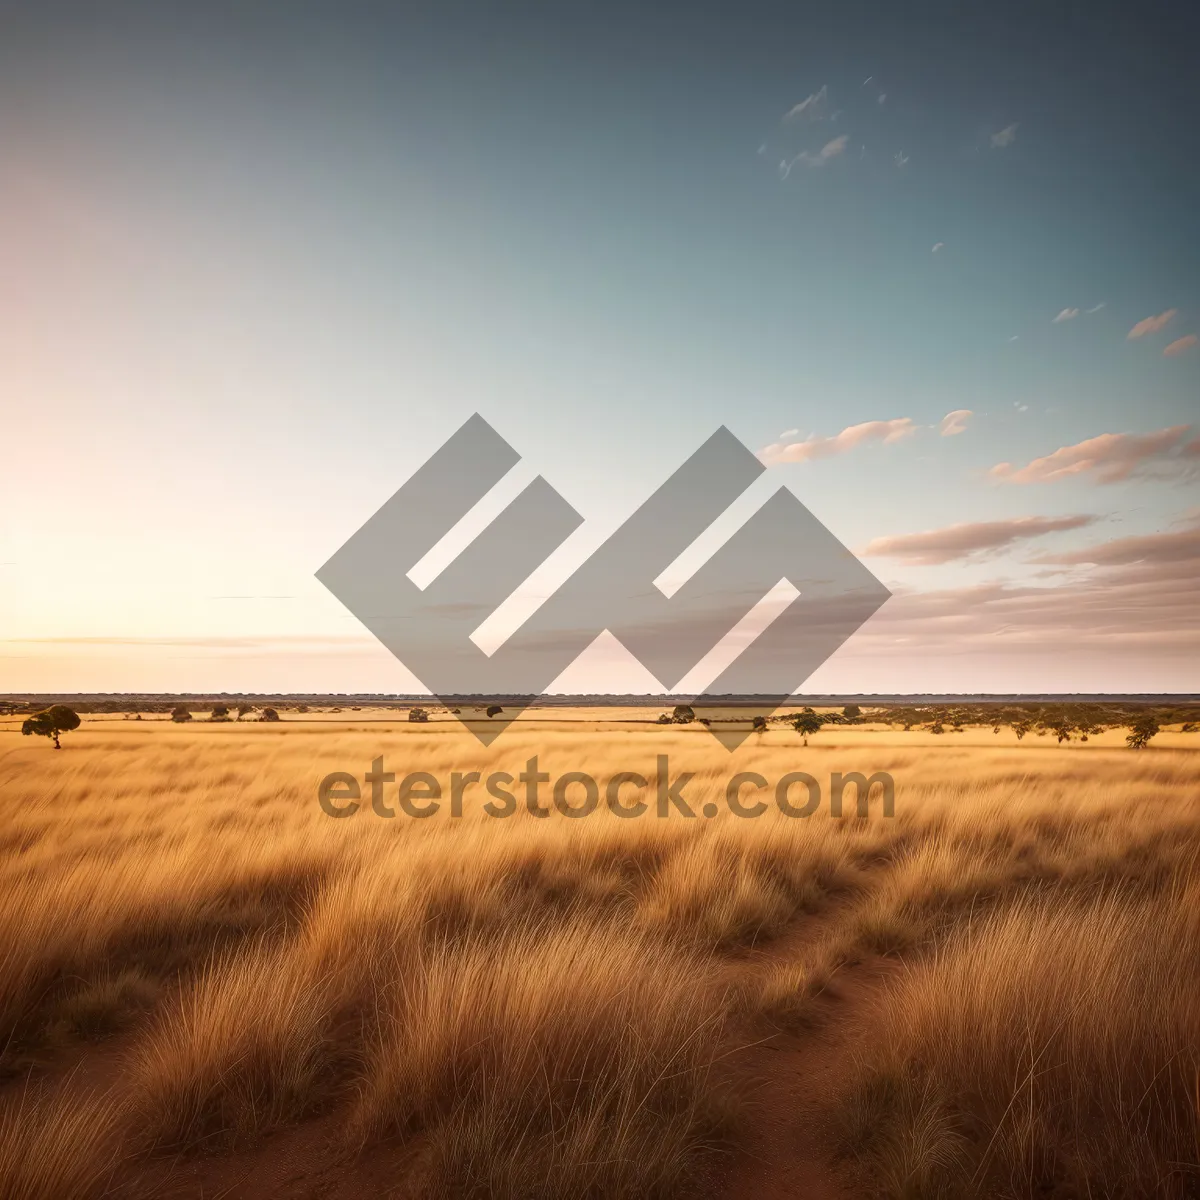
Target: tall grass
<point>1053,1044</point>
<point>528,1006</point>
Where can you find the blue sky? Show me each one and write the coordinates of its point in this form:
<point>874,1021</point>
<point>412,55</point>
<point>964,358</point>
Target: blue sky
<point>258,265</point>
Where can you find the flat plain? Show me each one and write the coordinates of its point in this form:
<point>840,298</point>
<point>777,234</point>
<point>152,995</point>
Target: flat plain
<point>211,987</point>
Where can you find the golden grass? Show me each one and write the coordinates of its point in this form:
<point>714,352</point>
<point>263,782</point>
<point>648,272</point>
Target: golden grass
<point>51,1148</point>
<point>1051,1044</point>
<point>524,1006</point>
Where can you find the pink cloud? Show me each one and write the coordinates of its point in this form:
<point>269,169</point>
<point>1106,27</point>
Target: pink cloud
<point>1152,324</point>
<point>1180,345</point>
<point>1151,549</point>
<point>1109,458</point>
<point>955,422</point>
<point>851,437</point>
<point>936,546</point>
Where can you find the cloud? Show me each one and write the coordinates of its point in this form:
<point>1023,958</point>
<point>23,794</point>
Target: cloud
<point>1095,308</point>
<point>1180,345</point>
<point>955,422</point>
<point>833,149</point>
<point>815,447</point>
<point>829,150</point>
<point>1160,549</point>
<point>810,109</point>
<point>937,246</point>
<point>1109,458</point>
<point>955,542</point>
<point>1005,137</point>
<point>901,159</point>
<point>1143,610</point>
<point>1152,324</point>
<point>1067,314</point>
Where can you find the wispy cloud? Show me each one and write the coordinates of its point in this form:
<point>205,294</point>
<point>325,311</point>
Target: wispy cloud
<point>1182,545</point>
<point>1069,314</point>
<point>1180,345</point>
<point>968,540</point>
<point>1109,458</point>
<point>815,447</point>
<point>1139,601</point>
<point>955,422</point>
<point>1005,137</point>
<point>812,108</point>
<point>937,246</point>
<point>1152,324</point>
<point>830,150</point>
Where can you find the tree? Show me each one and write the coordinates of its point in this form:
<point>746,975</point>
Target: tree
<point>807,723</point>
<point>268,714</point>
<point>1021,727</point>
<point>1062,729</point>
<point>50,722</point>
<point>494,710</point>
<point>682,714</point>
<point>220,712</point>
<point>1141,731</point>
<point>852,712</point>
<point>180,714</point>
<point>417,714</point>
<point>759,724</point>
<point>663,719</point>
<point>243,709</point>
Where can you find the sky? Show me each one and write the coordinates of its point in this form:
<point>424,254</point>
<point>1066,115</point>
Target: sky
<point>938,265</point>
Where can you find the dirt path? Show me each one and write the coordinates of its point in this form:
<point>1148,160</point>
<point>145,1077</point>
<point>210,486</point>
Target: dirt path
<point>786,1145</point>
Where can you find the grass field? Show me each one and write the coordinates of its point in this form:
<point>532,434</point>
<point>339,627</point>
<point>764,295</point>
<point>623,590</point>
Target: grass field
<point>209,987</point>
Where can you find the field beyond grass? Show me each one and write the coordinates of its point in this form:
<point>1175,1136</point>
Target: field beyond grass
<point>209,987</point>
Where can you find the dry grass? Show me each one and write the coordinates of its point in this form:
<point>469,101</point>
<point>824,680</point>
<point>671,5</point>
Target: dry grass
<point>53,1148</point>
<point>1053,1044</point>
<point>527,1007</point>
